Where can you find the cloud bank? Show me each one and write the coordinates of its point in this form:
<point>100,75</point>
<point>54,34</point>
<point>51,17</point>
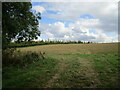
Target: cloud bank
<point>93,21</point>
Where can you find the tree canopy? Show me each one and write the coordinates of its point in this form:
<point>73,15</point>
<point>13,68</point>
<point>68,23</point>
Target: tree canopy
<point>18,21</point>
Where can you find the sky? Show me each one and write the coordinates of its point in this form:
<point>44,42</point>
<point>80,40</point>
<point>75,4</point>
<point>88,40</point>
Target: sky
<point>64,21</point>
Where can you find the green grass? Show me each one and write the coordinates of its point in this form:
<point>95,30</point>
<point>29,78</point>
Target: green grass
<point>24,77</point>
<point>78,74</point>
<point>72,76</point>
<point>67,67</point>
<point>106,66</point>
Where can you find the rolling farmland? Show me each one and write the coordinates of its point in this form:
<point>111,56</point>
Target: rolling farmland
<point>67,66</point>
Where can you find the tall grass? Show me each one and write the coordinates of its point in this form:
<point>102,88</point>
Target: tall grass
<point>18,58</point>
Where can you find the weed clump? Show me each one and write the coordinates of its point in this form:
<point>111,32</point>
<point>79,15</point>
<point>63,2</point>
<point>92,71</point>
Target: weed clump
<point>19,58</point>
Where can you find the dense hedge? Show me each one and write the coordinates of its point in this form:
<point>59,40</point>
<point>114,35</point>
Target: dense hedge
<point>34,43</point>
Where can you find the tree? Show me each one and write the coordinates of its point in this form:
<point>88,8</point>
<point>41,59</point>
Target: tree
<point>80,42</point>
<point>19,22</point>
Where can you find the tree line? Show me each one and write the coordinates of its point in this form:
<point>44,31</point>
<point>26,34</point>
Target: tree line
<point>43,42</point>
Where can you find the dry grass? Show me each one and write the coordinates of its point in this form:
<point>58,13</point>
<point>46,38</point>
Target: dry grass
<point>75,48</point>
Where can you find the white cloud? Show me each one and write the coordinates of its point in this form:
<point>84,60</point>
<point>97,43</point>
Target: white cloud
<point>75,31</point>
<point>39,9</point>
<point>38,39</point>
<point>49,34</point>
<point>66,37</point>
<point>105,12</point>
<point>105,21</point>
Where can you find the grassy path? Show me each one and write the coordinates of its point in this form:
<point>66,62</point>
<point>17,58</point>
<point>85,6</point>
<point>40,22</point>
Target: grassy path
<point>81,72</point>
<point>61,66</point>
<point>88,71</point>
<point>77,73</point>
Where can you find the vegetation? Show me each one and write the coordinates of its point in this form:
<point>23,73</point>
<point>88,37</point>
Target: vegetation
<point>24,76</point>
<point>18,22</point>
<point>18,58</point>
<point>66,66</point>
<point>35,43</point>
<point>71,64</point>
<point>99,48</point>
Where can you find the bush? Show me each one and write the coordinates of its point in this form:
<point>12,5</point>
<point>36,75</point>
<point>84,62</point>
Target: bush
<point>18,58</point>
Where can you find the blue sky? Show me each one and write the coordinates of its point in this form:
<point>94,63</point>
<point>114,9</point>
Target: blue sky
<point>87,16</point>
<point>78,21</point>
<point>47,20</point>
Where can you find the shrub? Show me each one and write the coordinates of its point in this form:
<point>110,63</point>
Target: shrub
<point>18,58</point>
